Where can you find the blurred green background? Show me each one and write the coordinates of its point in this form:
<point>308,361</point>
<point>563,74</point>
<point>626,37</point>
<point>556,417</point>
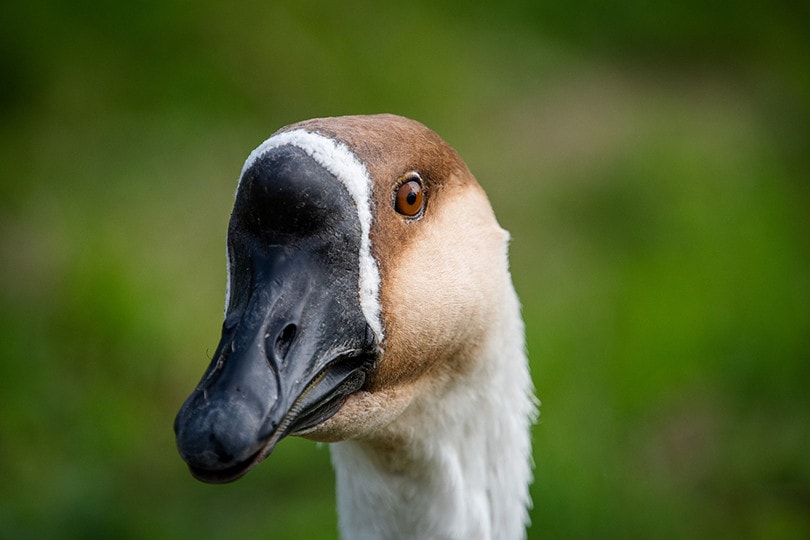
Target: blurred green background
<point>652,161</point>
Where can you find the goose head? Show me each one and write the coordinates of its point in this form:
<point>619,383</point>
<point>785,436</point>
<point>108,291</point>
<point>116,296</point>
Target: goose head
<point>365,269</point>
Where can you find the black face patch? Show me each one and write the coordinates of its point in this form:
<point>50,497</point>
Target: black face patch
<point>286,192</point>
<point>295,342</point>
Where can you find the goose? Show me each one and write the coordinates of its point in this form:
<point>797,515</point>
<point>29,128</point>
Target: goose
<point>369,305</point>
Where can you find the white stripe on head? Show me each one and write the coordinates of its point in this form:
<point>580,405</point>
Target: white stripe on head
<point>344,165</point>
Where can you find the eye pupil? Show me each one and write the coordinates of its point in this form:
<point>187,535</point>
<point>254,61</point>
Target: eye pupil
<point>409,198</point>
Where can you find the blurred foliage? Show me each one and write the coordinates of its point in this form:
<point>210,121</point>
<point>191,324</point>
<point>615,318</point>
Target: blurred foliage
<point>650,159</point>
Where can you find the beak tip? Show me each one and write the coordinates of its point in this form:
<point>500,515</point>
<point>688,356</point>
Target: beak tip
<point>214,436</point>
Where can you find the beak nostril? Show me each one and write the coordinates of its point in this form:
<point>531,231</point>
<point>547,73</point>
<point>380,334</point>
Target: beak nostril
<point>284,341</point>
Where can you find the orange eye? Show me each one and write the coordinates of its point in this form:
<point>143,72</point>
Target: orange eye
<point>410,198</point>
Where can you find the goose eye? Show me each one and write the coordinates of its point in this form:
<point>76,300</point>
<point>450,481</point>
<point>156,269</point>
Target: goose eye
<point>409,198</point>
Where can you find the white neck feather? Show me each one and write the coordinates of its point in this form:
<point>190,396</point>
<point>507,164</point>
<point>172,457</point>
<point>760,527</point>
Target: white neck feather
<point>457,463</point>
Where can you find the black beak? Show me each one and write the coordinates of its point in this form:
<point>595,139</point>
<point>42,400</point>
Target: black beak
<point>295,343</point>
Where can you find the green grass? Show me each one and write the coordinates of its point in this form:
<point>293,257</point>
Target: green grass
<point>651,165</point>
